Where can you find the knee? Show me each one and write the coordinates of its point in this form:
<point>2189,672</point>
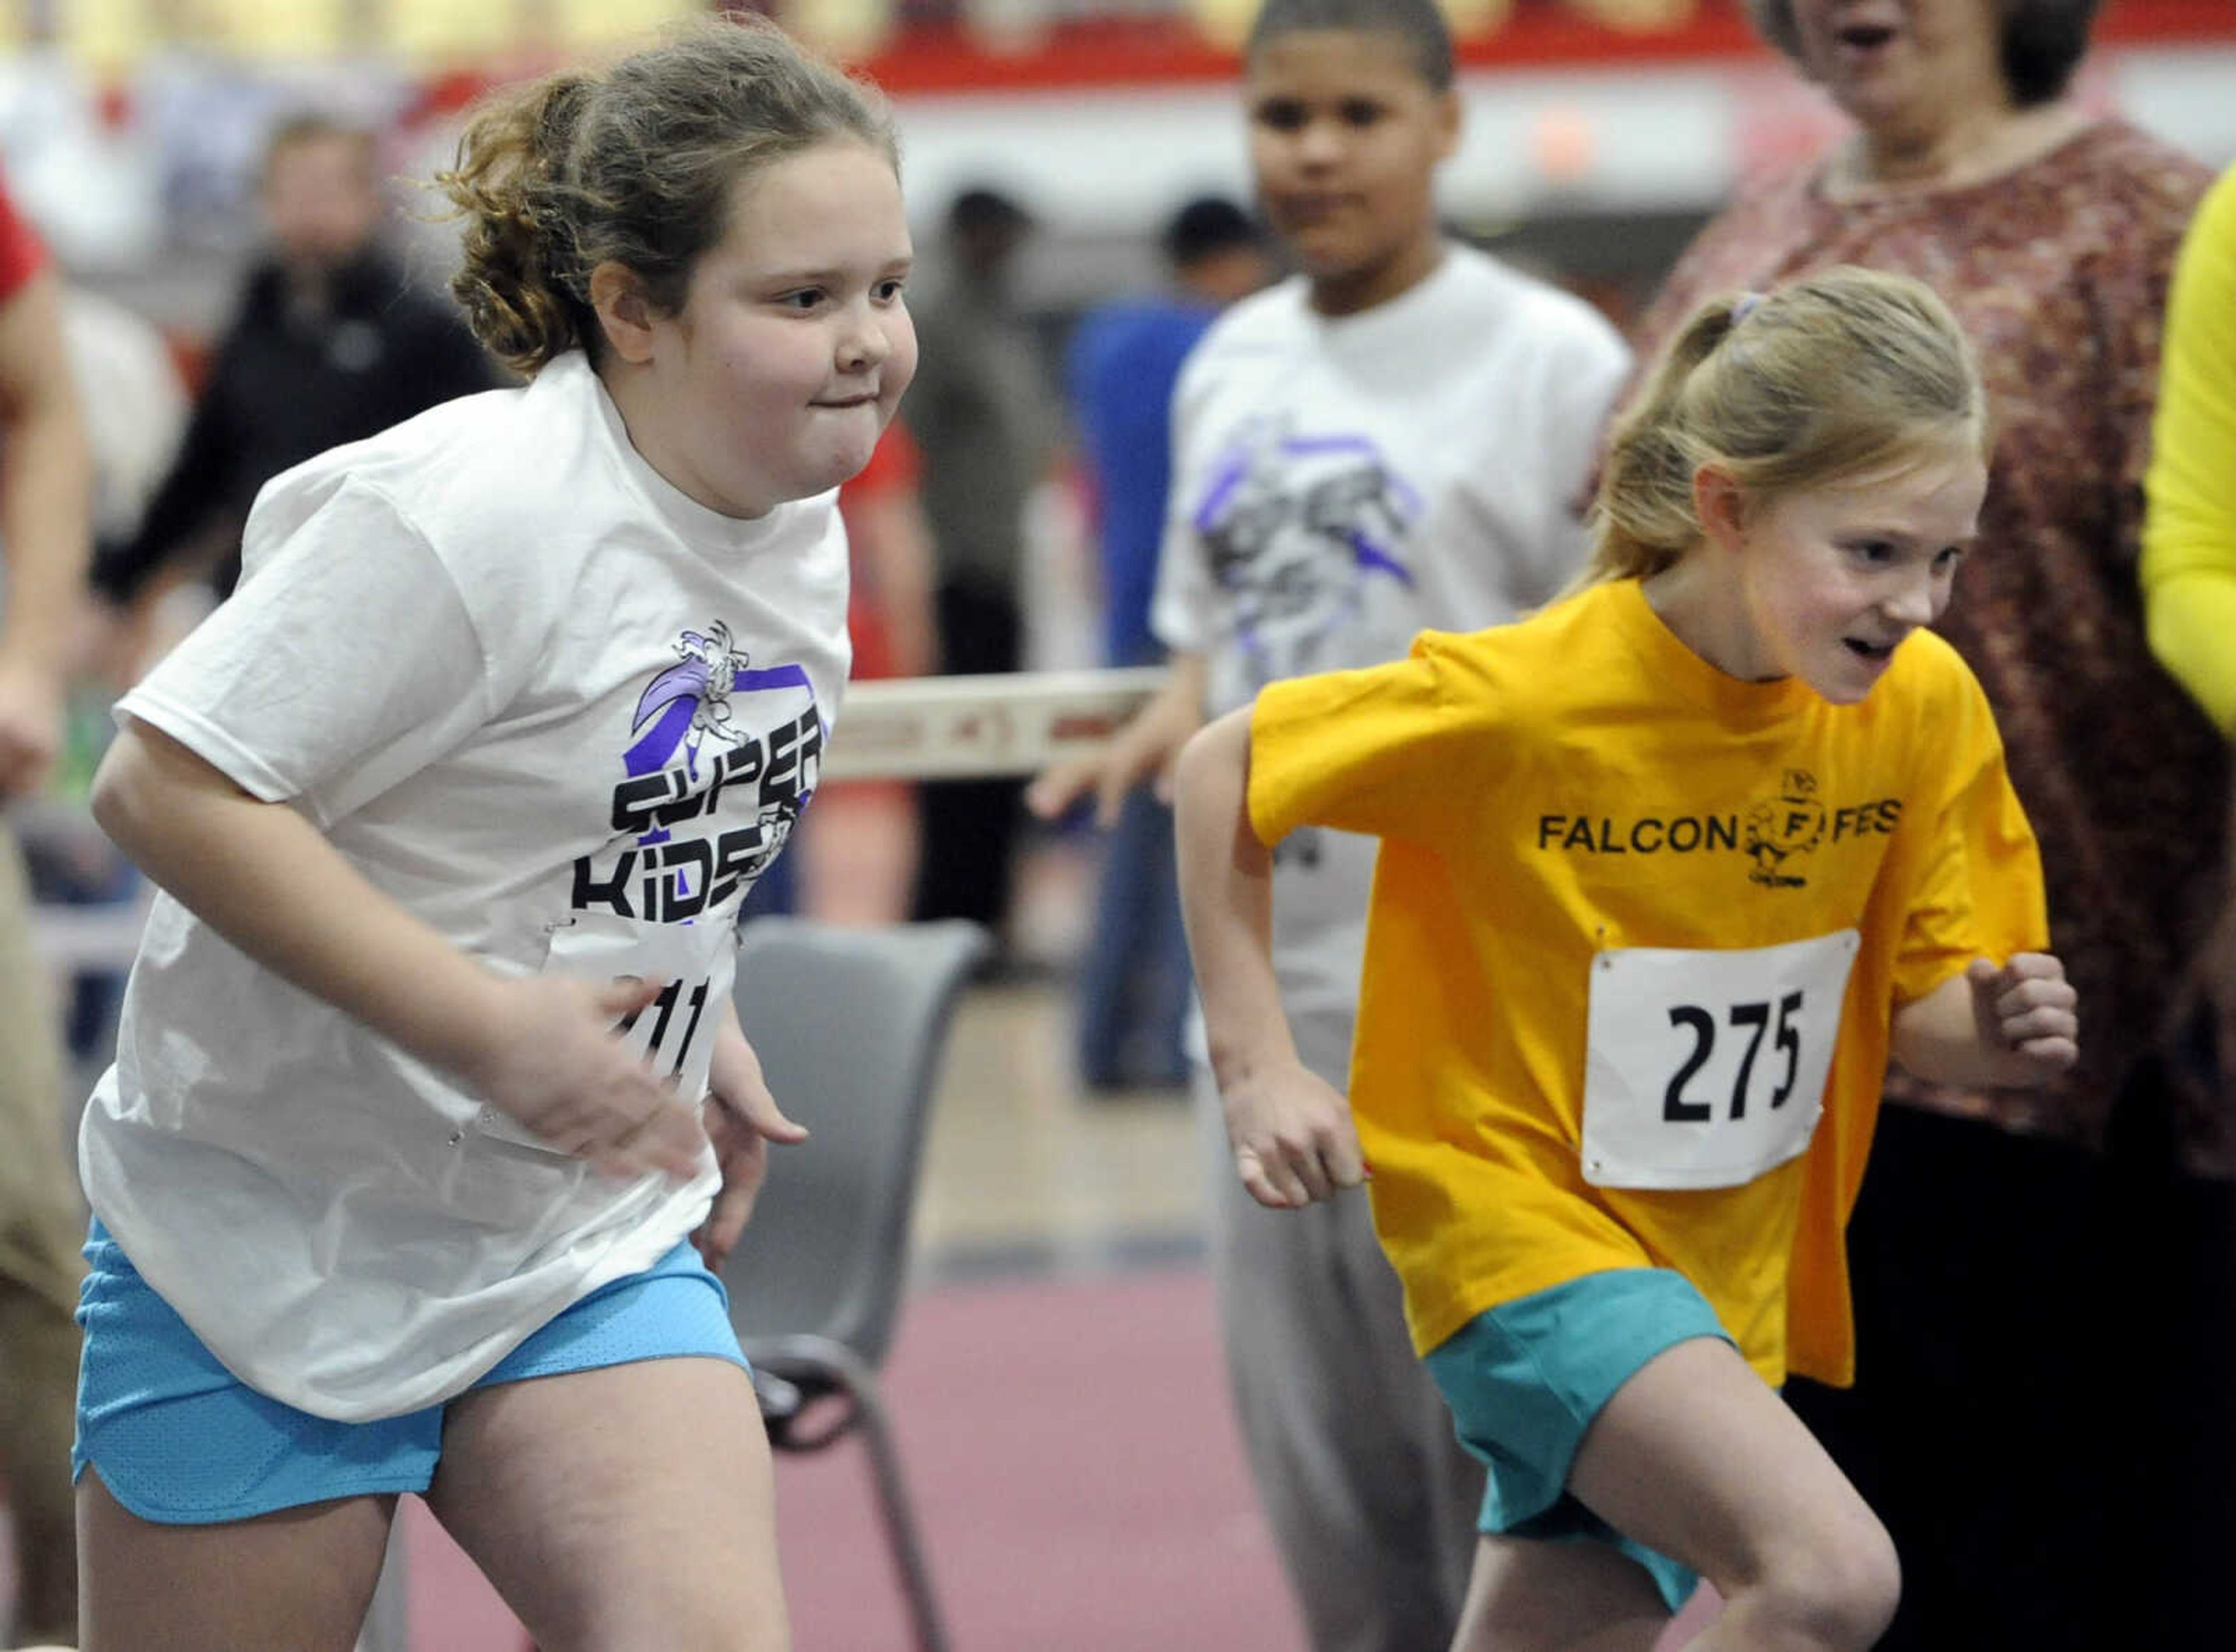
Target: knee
<point>683,1630</point>
<point>1836,1591</point>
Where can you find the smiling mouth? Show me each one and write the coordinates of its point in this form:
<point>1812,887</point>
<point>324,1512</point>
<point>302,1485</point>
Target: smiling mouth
<point>1865,37</point>
<point>845,401</point>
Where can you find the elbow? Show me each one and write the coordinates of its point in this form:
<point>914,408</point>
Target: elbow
<point>111,808</point>
<point>122,796</point>
<point>1214,763</point>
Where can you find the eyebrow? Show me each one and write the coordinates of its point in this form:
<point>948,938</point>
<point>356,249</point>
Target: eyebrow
<point>826,276</point>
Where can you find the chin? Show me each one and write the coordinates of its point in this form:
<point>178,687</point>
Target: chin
<point>1844,687</point>
<point>834,470</point>
<point>1325,255</point>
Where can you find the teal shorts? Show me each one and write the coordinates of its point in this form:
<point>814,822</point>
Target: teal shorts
<point>1525,1379</point>
<point>181,1440</point>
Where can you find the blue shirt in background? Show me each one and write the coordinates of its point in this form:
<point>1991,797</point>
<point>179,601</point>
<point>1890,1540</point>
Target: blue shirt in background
<point>1125,358</point>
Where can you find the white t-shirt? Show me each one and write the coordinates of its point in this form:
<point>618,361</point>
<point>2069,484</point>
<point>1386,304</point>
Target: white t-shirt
<point>1339,485</point>
<point>566,716</point>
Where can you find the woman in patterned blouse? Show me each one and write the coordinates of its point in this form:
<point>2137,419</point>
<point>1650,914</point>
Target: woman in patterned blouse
<point>2017,1259</point>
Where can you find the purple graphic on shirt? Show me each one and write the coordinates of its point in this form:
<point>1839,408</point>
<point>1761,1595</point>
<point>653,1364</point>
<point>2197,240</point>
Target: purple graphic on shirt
<point>689,704</point>
<point>1297,527</point>
<point>714,783</point>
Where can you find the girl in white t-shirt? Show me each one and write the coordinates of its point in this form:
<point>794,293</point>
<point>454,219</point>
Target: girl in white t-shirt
<point>453,804</point>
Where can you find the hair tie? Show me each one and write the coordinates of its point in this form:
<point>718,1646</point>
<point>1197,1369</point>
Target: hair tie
<point>1744,306</point>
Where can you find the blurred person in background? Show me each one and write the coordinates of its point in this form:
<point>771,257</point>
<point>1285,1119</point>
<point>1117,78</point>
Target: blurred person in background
<point>134,404</point>
<point>858,852</point>
<point>855,861</point>
<point>46,489</point>
<point>1124,360</point>
<point>984,415</point>
<point>2189,592</point>
<point>1393,440</point>
<point>330,343</point>
<point>1980,1424</point>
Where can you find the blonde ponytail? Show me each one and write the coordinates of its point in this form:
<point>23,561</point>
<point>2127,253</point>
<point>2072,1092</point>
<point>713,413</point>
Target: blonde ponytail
<point>1834,376</point>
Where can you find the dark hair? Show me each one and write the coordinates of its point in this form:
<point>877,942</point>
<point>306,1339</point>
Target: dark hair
<point>306,127</point>
<point>981,210</point>
<point>2042,43</point>
<point>1206,227</point>
<point>1418,23</point>
<point>1842,374</point>
<point>631,164</point>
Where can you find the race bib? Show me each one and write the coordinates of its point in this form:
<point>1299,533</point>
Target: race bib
<point>1706,1069</point>
<point>675,1032</point>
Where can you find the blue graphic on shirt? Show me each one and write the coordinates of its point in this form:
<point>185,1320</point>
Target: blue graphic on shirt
<point>696,747</point>
<point>1297,527</point>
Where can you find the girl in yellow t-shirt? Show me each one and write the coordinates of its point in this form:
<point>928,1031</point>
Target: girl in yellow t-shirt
<point>1668,872</point>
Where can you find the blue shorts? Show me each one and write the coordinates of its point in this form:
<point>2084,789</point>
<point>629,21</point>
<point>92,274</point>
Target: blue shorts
<point>181,1440</point>
<point>1525,1379</point>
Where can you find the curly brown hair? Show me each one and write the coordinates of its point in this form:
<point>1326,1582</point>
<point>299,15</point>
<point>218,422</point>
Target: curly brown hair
<point>634,165</point>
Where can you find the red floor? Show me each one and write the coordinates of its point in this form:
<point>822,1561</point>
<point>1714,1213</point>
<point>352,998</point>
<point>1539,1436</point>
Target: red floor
<point>1076,1469</point>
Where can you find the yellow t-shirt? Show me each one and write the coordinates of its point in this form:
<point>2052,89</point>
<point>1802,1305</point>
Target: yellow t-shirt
<point>2189,536</point>
<point>1581,791</point>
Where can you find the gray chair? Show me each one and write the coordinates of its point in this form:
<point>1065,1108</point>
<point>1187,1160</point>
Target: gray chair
<point>850,1025</point>
<point>388,1619</point>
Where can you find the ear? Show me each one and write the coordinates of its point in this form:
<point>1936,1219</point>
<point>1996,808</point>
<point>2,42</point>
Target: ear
<point>1720,506</point>
<point>1448,123</point>
<point>624,311</point>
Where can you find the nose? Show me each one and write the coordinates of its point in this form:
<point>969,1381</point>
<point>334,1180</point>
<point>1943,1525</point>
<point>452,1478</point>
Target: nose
<point>1919,597</point>
<point>866,342</point>
<point>1319,143</point>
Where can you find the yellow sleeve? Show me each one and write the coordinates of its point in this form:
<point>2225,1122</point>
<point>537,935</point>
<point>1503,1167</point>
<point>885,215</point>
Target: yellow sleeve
<point>1981,893</point>
<point>2189,536</point>
<point>1389,751</point>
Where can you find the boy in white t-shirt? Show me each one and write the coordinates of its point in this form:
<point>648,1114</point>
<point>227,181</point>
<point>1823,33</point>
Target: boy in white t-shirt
<point>1393,440</point>
<point>399,1174</point>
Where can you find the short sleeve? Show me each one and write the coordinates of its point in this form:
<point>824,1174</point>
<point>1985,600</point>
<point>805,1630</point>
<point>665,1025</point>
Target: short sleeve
<point>1184,601</point>
<point>346,662</point>
<point>1387,751</point>
<point>1589,374</point>
<point>1980,893</point>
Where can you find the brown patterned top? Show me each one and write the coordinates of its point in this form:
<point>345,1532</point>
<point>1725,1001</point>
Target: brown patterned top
<point>2058,271</point>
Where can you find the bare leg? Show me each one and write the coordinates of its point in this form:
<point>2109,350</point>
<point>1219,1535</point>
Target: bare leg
<point>294,1581</point>
<point>630,1509</point>
<point>41,1225</point>
<point>1529,1596</point>
<point>39,1407</point>
<point>1695,1456</point>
